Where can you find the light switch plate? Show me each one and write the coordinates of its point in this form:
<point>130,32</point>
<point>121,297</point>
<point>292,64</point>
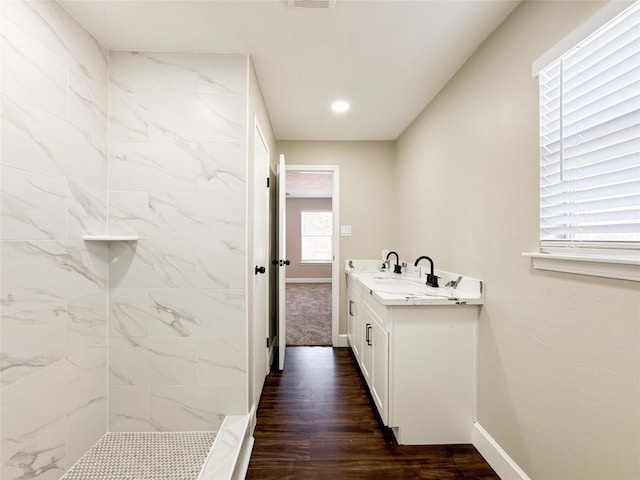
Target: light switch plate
<point>345,230</point>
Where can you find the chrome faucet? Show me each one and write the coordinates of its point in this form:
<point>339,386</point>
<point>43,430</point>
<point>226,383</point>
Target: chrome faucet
<point>432,280</point>
<point>396,268</point>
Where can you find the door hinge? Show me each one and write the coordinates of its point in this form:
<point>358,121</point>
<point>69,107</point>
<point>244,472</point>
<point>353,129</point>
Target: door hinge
<point>267,342</point>
<point>267,182</point>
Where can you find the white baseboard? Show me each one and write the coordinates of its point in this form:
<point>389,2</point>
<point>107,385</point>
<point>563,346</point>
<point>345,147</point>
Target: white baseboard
<point>495,456</point>
<point>307,280</point>
<point>342,340</point>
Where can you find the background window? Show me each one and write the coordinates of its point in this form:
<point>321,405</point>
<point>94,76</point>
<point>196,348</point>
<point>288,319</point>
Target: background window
<point>317,229</point>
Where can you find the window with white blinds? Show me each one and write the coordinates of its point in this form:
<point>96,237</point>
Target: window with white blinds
<point>590,141</point>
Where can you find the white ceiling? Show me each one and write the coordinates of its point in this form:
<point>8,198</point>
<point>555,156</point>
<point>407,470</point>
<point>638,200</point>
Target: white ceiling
<point>309,184</point>
<point>388,58</point>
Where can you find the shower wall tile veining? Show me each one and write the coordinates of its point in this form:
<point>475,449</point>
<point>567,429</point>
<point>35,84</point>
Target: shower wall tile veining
<point>53,190</point>
<point>177,155</point>
<point>149,335</point>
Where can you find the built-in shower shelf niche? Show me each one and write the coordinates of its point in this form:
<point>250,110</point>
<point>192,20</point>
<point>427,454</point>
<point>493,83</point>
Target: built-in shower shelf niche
<point>110,238</point>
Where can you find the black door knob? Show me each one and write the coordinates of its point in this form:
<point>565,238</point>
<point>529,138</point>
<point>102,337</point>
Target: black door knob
<point>260,270</point>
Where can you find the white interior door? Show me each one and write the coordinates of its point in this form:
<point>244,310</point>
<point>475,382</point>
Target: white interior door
<point>282,257</point>
<point>260,330</point>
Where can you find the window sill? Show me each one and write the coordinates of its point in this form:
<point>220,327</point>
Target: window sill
<point>316,262</point>
<point>625,268</point>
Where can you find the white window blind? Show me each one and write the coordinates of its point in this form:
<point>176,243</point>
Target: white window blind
<point>590,140</point>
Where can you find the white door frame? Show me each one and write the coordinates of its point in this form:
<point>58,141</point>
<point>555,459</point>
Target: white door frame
<point>335,266</point>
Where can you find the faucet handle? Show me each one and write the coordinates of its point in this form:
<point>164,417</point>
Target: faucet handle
<point>454,283</point>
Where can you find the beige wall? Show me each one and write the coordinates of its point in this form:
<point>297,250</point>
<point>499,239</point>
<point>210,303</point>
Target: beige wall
<point>558,353</point>
<point>294,248</point>
<point>367,199</point>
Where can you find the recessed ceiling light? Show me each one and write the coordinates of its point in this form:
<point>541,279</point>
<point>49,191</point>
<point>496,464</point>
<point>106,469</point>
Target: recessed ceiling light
<point>340,106</point>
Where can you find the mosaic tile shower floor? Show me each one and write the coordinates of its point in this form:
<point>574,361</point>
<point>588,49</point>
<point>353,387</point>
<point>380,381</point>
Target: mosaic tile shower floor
<point>144,456</point>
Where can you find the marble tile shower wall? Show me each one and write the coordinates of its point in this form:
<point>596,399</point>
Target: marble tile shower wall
<point>177,315</point>
<point>170,307</point>
<point>53,190</point>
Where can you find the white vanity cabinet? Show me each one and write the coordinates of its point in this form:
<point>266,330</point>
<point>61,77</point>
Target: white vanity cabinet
<point>418,362</point>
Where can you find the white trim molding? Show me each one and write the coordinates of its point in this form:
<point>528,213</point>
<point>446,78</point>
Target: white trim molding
<point>308,280</point>
<point>624,268</point>
<point>495,455</point>
<point>335,267</point>
<point>343,341</point>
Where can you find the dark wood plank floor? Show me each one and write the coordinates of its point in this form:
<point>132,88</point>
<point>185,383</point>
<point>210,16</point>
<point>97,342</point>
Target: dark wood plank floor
<point>315,421</point>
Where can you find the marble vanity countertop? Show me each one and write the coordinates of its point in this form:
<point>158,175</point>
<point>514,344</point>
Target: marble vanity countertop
<point>409,287</point>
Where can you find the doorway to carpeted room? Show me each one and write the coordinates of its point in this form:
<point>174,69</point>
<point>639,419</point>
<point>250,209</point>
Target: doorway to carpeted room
<point>308,314</point>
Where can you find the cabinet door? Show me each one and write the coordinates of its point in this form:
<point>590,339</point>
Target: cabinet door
<point>353,331</point>
<point>379,385</point>
<point>375,360</point>
<point>350,316</point>
<point>366,355</point>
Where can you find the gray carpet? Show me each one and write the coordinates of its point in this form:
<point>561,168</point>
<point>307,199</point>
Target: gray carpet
<point>308,313</point>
